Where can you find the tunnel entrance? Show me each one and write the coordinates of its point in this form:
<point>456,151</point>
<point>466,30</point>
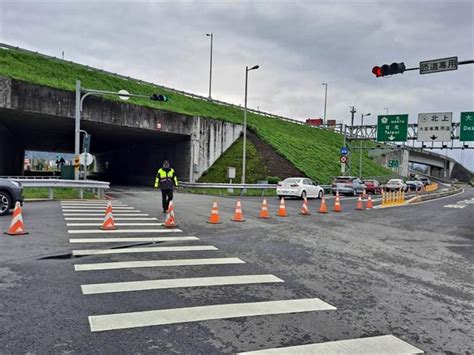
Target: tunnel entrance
<point>124,155</point>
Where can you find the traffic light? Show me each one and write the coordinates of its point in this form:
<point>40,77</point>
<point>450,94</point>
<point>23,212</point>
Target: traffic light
<point>159,97</point>
<point>385,70</point>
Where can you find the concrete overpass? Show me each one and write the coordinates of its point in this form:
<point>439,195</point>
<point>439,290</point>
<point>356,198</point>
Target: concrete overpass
<point>438,165</point>
<point>134,140</point>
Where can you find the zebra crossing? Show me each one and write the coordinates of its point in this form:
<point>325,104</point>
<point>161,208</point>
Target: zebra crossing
<point>82,219</point>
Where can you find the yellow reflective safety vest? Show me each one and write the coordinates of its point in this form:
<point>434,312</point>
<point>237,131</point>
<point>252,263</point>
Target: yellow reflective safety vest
<point>166,179</point>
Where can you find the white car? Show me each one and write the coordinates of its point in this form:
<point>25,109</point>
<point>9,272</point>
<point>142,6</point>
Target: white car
<point>395,185</point>
<point>299,187</point>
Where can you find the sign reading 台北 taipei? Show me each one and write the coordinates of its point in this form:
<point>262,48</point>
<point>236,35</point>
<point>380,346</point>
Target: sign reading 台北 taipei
<point>434,127</point>
<point>392,128</point>
<point>466,127</point>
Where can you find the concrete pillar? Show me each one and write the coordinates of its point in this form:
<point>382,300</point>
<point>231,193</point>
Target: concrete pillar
<point>12,153</point>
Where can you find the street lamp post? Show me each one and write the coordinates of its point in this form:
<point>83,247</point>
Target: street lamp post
<point>210,63</point>
<point>82,94</point>
<point>325,101</point>
<point>244,155</point>
<point>361,142</point>
<point>386,110</point>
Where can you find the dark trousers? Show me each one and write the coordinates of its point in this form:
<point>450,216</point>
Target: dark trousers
<point>166,197</point>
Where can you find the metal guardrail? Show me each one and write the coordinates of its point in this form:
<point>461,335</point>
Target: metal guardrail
<point>205,185</point>
<point>98,186</point>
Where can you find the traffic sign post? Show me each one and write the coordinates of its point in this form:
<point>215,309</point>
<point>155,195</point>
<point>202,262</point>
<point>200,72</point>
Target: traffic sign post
<point>466,127</point>
<point>434,127</point>
<point>392,128</point>
<point>438,65</point>
<point>393,163</point>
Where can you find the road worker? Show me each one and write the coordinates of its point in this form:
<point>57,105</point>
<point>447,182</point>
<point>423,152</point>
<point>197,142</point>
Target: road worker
<point>166,180</point>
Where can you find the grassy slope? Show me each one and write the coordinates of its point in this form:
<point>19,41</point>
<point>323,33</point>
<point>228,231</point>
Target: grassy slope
<point>255,169</point>
<point>313,151</point>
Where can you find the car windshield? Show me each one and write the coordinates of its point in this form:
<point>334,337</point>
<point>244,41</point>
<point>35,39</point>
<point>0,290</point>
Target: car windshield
<point>343,180</point>
<point>291,180</point>
<point>395,181</point>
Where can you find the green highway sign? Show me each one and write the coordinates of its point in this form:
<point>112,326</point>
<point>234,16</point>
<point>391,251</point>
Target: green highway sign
<point>392,128</point>
<point>466,127</point>
<point>393,163</point>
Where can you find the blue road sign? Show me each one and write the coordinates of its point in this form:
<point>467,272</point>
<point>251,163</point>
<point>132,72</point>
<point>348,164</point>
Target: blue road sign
<point>344,151</point>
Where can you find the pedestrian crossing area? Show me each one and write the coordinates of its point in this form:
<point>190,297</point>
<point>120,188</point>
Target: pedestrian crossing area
<point>148,248</point>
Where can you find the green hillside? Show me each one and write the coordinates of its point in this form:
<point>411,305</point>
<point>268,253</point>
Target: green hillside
<point>313,151</point>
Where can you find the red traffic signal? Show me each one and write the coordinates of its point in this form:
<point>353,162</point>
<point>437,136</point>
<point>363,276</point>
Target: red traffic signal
<point>386,70</point>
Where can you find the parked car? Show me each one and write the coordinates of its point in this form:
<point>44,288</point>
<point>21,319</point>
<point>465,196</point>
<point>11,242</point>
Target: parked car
<point>395,185</point>
<point>414,185</point>
<point>299,187</point>
<point>372,186</point>
<point>10,192</point>
<point>349,185</point>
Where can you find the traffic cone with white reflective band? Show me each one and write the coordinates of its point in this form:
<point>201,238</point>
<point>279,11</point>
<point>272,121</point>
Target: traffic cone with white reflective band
<point>359,203</point>
<point>238,214</point>
<point>170,218</point>
<point>337,203</point>
<point>264,210</point>
<point>108,223</point>
<point>323,208</point>
<point>369,204</point>
<point>304,209</point>
<point>214,218</point>
<point>17,227</point>
<point>282,209</point>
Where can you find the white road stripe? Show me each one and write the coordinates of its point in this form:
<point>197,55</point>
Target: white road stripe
<point>142,250</point>
<point>128,214</point>
<point>136,239</point>
<point>100,231</point>
<point>117,224</point>
<point>385,344</point>
<point>155,263</point>
<point>100,202</point>
<point>176,283</point>
<point>87,208</point>
<point>194,314</point>
<point>115,218</point>
<point>92,204</point>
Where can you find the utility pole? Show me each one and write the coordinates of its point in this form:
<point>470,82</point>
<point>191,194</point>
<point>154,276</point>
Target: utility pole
<point>353,111</point>
<point>325,101</point>
<point>210,64</point>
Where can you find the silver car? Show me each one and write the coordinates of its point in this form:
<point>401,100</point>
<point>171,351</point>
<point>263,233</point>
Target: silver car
<point>396,185</point>
<point>349,185</point>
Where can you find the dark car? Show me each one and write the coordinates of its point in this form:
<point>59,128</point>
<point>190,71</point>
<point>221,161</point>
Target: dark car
<point>424,180</point>
<point>10,192</point>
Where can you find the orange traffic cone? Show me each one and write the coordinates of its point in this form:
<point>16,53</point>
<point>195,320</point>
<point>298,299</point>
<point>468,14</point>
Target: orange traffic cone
<point>304,209</point>
<point>17,227</point>
<point>170,219</point>
<point>337,203</point>
<point>214,218</point>
<point>108,223</point>
<point>359,203</point>
<point>282,209</point>
<point>323,208</point>
<point>369,203</point>
<point>238,214</point>
<point>264,210</point>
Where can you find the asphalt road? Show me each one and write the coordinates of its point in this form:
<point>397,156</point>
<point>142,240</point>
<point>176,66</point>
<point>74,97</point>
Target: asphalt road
<point>404,271</point>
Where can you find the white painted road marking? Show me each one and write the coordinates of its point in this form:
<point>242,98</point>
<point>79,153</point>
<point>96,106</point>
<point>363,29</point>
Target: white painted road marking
<point>176,283</point>
<point>128,214</point>
<point>87,209</point>
<point>194,314</point>
<point>100,231</point>
<point>115,218</point>
<point>142,250</point>
<point>117,224</point>
<point>155,263</point>
<point>380,345</point>
<point>136,239</point>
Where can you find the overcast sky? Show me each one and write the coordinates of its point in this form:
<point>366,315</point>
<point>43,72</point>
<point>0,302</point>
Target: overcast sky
<point>298,45</point>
